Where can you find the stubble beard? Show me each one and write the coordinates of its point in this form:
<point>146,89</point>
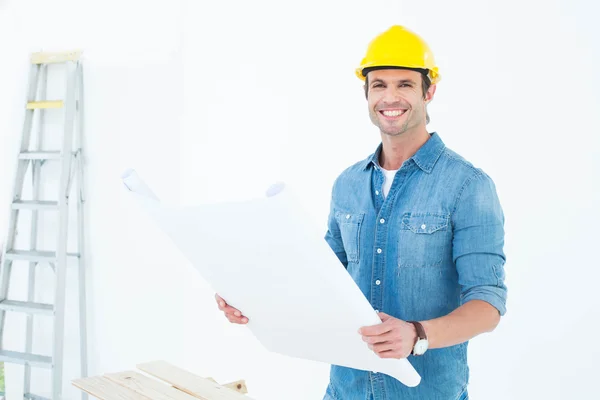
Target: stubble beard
<point>394,132</point>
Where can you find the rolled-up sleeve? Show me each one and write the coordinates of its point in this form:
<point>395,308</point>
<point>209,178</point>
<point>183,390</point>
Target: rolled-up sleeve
<point>478,242</point>
<point>333,235</point>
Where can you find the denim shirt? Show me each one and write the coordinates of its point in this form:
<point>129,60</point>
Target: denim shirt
<point>434,243</point>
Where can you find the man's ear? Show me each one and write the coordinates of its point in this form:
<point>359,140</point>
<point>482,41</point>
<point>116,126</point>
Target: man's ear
<point>430,93</point>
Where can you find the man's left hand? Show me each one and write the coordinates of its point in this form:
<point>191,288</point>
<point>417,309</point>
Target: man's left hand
<point>393,338</point>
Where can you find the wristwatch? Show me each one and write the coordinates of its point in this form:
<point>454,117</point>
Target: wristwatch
<point>422,343</point>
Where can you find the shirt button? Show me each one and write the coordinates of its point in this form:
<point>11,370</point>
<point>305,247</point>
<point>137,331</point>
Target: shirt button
<point>376,312</point>
<point>423,226</point>
<point>377,282</point>
<point>347,216</point>
<point>378,251</point>
<point>382,220</point>
<point>377,192</point>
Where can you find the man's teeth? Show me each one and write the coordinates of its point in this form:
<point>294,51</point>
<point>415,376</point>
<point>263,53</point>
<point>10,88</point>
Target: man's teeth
<point>394,113</point>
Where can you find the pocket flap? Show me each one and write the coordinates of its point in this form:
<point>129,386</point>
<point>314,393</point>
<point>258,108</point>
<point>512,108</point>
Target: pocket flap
<point>349,218</point>
<point>425,222</point>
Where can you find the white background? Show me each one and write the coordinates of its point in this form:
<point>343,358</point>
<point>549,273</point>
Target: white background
<point>217,100</point>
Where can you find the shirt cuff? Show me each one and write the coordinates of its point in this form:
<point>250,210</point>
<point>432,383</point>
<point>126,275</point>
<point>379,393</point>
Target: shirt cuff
<point>493,295</point>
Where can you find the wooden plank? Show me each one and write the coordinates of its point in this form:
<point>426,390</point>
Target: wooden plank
<point>104,389</point>
<point>49,58</point>
<point>32,105</point>
<point>238,386</point>
<point>193,384</point>
<point>148,387</point>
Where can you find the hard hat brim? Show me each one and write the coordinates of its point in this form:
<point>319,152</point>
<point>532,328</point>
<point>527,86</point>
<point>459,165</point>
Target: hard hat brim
<point>366,70</point>
<point>432,74</point>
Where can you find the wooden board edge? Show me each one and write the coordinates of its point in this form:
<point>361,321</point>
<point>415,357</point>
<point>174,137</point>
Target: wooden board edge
<point>97,386</point>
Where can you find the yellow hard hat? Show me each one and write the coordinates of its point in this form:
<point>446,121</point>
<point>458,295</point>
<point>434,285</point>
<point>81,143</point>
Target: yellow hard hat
<point>398,47</point>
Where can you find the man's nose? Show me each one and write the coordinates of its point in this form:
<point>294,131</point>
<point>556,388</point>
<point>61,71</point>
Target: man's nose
<point>393,97</point>
<point>392,94</point>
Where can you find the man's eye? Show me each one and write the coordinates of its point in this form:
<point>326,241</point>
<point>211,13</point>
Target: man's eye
<point>405,85</point>
<point>377,85</point>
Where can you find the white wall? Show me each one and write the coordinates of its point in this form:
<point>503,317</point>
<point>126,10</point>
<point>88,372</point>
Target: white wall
<point>213,100</point>
<point>134,87</point>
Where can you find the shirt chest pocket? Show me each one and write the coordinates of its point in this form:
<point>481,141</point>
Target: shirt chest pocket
<point>424,240</point>
<point>350,224</point>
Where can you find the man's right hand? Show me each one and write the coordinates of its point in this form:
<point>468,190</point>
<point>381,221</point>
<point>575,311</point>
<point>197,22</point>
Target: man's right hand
<point>234,315</point>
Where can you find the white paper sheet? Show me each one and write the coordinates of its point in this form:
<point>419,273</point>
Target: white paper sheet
<point>264,258</point>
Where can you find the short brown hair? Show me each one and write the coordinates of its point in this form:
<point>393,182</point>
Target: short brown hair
<point>425,84</point>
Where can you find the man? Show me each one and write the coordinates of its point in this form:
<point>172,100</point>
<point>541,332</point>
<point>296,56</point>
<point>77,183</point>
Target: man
<point>420,230</point>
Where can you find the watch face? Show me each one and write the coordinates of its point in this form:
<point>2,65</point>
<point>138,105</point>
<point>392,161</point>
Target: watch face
<point>421,347</point>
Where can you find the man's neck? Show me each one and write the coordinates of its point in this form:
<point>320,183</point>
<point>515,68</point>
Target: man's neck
<point>397,149</point>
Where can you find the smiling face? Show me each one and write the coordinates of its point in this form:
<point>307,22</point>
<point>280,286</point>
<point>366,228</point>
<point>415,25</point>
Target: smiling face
<point>396,100</point>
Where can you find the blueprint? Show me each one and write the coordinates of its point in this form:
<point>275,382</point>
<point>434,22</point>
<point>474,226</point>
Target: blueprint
<point>257,250</point>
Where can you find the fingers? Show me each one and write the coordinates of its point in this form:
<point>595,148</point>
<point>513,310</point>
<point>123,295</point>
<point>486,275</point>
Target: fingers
<point>390,339</point>
<point>232,314</point>
<point>384,317</point>
<point>236,320</point>
<point>386,337</point>
<point>383,347</point>
<point>375,330</point>
<point>389,346</point>
<point>392,349</point>
<point>227,309</point>
<point>391,354</point>
<point>230,310</point>
<point>223,304</point>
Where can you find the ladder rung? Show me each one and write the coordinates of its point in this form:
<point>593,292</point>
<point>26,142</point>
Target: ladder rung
<point>34,256</point>
<point>30,396</point>
<point>26,359</point>
<point>27,307</point>
<point>39,155</point>
<point>34,105</point>
<point>34,205</point>
<point>27,255</point>
<point>50,58</point>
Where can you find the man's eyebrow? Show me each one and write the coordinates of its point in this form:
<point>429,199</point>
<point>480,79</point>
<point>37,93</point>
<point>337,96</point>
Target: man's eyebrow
<point>400,81</point>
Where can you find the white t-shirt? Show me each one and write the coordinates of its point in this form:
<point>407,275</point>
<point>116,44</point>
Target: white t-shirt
<point>387,182</point>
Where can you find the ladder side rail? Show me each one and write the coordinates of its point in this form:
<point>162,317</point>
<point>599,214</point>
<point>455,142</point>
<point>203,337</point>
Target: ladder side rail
<point>83,342</point>
<point>61,243</point>
<point>36,166</point>
<point>19,177</point>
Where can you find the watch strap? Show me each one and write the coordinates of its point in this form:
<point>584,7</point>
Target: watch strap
<point>421,335</point>
<point>420,330</point>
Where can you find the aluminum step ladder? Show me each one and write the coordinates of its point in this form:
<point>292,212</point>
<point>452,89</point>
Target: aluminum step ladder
<point>70,159</point>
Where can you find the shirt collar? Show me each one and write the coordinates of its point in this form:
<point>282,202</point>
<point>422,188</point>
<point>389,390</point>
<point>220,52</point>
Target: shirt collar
<point>425,157</point>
